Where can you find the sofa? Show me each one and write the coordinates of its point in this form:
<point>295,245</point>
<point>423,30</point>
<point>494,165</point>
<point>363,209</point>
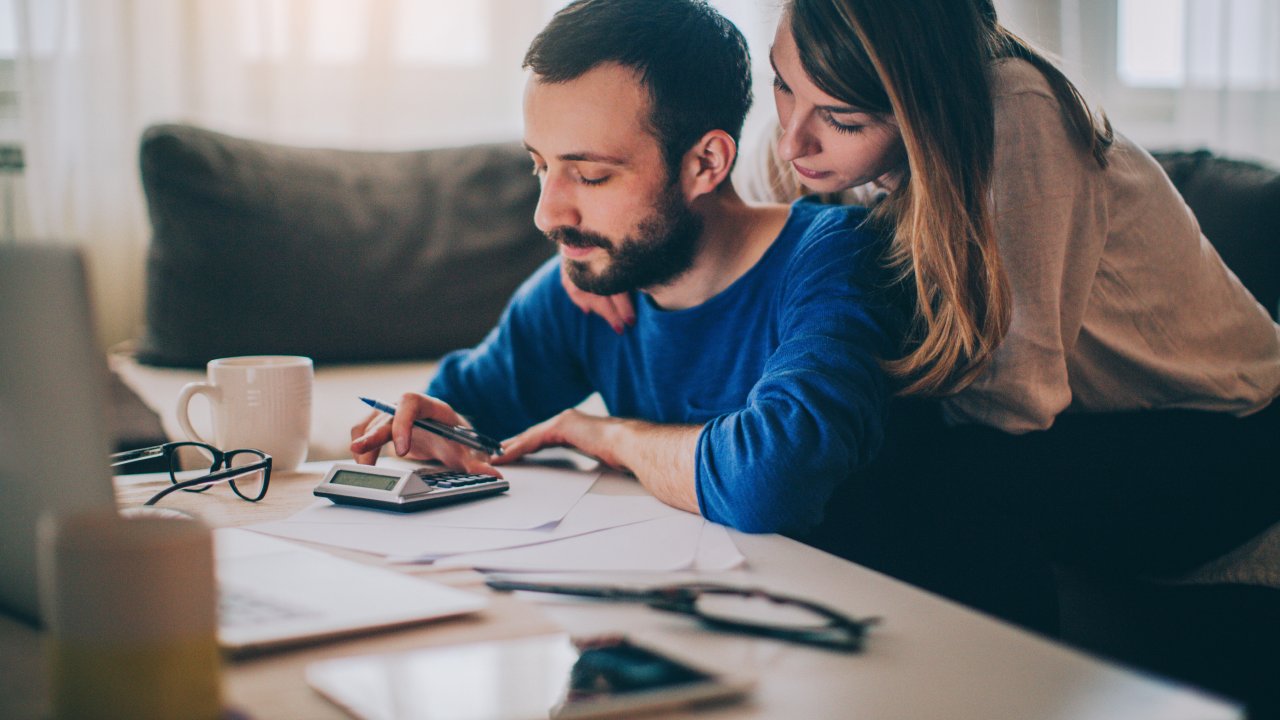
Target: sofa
<point>375,264</point>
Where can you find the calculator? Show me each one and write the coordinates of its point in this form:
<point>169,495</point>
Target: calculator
<point>404,489</point>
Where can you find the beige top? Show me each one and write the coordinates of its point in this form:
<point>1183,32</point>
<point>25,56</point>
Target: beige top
<point>1119,301</point>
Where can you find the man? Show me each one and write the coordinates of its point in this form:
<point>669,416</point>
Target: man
<point>750,386</point>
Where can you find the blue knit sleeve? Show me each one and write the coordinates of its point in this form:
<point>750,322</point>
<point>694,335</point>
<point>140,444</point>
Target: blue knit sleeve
<point>529,366</point>
<point>816,414</point>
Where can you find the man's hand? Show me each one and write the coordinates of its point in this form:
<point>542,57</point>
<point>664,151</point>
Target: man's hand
<point>571,428</point>
<point>414,443</point>
<point>660,456</point>
<point>615,309</point>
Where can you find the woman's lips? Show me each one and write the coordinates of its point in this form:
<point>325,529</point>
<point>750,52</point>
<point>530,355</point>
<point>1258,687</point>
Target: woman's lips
<point>810,174</point>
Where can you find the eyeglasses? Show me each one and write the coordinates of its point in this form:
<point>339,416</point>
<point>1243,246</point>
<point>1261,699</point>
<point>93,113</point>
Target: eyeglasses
<point>248,471</point>
<point>725,607</point>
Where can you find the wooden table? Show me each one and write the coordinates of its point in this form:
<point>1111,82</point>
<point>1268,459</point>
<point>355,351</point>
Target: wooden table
<point>929,659</point>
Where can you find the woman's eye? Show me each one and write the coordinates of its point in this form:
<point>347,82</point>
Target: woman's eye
<point>844,128</point>
<point>780,86</point>
<point>592,181</point>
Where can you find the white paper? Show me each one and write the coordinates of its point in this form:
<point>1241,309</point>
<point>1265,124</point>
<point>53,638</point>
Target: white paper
<point>716,551</point>
<point>665,544</point>
<point>407,542</point>
<point>539,496</point>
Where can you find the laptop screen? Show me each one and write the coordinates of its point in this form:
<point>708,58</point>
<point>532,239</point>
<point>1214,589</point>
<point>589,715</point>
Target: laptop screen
<point>53,430</point>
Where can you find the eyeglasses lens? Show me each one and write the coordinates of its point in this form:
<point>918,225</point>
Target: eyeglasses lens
<point>253,484</point>
<point>187,461</point>
<point>760,612</point>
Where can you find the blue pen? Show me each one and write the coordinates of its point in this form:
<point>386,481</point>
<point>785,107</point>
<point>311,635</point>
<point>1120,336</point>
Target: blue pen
<point>457,433</point>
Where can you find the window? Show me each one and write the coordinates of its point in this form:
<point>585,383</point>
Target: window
<point>1181,73</point>
<point>337,32</point>
<point>1198,43</point>
<point>1150,43</point>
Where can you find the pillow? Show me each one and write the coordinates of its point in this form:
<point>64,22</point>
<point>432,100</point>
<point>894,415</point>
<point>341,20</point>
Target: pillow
<point>339,255</point>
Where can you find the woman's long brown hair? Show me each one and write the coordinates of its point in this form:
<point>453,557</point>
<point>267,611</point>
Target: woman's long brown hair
<point>927,63</point>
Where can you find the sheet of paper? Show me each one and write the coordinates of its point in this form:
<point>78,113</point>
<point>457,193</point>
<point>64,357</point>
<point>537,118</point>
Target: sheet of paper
<point>716,551</point>
<point>539,496</point>
<point>668,543</point>
<point>409,542</point>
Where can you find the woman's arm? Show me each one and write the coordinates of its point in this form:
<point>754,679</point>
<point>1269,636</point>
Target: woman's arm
<point>1050,215</point>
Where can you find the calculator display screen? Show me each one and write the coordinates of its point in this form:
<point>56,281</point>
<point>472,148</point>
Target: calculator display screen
<point>363,480</point>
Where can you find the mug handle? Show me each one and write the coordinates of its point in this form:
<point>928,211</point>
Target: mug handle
<point>184,399</point>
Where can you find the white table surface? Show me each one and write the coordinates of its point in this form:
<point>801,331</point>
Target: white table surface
<point>930,658</point>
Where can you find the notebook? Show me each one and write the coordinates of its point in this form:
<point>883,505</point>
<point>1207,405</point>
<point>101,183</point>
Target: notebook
<point>53,458</point>
<point>274,593</point>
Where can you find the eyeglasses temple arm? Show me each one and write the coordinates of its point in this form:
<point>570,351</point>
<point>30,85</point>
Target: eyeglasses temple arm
<point>128,456</point>
<point>596,591</point>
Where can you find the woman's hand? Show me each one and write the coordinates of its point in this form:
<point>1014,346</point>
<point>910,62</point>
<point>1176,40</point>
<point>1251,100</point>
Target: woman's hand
<point>414,443</point>
<point>615,309</point>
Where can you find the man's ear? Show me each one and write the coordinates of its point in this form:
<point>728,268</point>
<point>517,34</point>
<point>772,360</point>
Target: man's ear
<point>707,164</point>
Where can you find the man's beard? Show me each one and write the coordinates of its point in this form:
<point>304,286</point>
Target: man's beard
<point>662,249</point>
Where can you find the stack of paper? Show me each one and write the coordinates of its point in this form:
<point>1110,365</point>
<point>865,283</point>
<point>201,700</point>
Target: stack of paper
<point>547,521</point>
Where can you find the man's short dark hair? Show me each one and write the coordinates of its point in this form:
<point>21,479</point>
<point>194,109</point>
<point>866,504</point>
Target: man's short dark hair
<point>693,61</point>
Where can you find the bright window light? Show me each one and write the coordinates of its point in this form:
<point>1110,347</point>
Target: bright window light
<point>442,32</point>
<point>264,29</point>
<point>8,29</point>
<point>1151,43</point>
<point>338,32</point>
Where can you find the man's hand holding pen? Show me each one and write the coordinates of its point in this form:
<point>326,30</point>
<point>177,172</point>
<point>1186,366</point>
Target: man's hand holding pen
<point>413,441</point>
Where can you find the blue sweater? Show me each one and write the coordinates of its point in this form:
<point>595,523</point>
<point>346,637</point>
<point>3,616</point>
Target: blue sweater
<point>781,369</point>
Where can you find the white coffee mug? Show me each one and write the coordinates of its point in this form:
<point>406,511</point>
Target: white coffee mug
<point>261,402</point>
<point>131,610</point>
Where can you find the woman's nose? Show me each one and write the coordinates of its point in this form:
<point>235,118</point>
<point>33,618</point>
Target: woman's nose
<point>795,140</point>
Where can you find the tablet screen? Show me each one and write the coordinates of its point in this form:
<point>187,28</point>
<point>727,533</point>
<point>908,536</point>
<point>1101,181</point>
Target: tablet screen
<point>544,677</point>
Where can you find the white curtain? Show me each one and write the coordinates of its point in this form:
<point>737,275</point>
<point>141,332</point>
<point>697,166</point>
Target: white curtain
<point>1170,73</point>
<point>1231,69</point>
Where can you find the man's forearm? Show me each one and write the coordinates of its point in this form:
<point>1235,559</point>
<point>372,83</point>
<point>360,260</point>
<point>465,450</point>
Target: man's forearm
<point>662,457</point>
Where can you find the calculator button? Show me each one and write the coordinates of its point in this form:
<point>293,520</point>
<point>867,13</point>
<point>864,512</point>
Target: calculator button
<point>444,484</point>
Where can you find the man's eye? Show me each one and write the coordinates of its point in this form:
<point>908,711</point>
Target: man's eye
<point>593,181</point>
<point>538,170</point>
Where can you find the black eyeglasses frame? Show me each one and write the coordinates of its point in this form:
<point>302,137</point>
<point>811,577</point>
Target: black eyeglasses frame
<point>220,468</point>
<point>842,633</point>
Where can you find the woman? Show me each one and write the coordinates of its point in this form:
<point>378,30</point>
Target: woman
<point>1106,382</point>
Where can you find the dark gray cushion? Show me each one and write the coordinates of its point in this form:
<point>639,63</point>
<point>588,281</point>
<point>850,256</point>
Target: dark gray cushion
<point>340,255</point>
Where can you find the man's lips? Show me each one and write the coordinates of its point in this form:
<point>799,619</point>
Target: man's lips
<point>811,174</point>
<point>577,252</point>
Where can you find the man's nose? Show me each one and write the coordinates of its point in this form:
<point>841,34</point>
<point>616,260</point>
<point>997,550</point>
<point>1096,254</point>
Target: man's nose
<point>556,206</point>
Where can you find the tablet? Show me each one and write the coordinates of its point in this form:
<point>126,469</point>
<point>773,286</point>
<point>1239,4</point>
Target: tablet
<point>552,676</point>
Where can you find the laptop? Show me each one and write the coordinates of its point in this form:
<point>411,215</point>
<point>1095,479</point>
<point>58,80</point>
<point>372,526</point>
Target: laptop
<point>53,385</point>
<point>53,458</point>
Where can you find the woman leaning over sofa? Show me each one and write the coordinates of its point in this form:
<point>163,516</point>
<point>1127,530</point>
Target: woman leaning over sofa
<point>1098,386</point>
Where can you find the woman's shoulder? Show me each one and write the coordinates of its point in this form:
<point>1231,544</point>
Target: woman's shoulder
<point>1011,77</point>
